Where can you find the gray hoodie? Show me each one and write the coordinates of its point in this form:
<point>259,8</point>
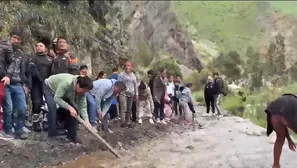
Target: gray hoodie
<point>186,96</point>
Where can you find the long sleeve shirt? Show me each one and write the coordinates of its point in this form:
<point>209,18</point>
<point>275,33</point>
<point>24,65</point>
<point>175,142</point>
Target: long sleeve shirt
<point>63,88</point>
<point>103,91</point>
<point>131,83</point>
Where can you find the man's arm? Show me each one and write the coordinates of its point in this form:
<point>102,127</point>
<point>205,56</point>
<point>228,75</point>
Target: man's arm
<point>98,99</point>
<point>82,106</point>
<point>106,105</point>
<point>135,85</point>
<point>10,60</point>
<point>59,94</point>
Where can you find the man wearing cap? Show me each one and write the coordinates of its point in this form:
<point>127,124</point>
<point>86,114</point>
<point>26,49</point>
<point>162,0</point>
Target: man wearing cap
<point>15,96</point>
<point>7,66</point>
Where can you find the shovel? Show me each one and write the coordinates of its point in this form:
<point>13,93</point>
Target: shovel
<point>98,137</point>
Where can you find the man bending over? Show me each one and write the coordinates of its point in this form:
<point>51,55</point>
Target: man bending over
<point>68,91</point>
<point>100,98</point>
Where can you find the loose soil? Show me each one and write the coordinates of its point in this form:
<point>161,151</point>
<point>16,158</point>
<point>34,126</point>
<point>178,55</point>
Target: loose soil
<point>40,151</point>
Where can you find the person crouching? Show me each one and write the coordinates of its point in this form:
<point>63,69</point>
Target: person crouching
<point>145,104</point>
<point>187,102</point>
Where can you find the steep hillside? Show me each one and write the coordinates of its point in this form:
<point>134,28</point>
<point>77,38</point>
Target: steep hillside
<point>105,33</point>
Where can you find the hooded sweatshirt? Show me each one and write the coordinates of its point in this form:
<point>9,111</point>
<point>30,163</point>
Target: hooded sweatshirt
<point>145,95</point>
<point>186,95</point>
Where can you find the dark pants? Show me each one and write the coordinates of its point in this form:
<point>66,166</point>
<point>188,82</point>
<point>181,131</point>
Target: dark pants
<point>177,107</point>
<point>36,96</point>
<point>113,111</point>
<point>70,122</point>
<point>134,113</point>
<point>191,107</point>
<point>159,110</point>
<point>209,101</point>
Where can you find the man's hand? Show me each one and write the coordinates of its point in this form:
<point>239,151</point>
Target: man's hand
<point>100,115</point>
<point>26,90</point>
<point>73,112</point>
<point>5,80</point>
<point>88,124</point>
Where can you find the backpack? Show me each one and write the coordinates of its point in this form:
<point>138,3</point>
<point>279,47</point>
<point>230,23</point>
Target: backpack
<point>61,64</point>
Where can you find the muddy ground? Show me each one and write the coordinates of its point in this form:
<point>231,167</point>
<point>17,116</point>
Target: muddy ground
<point>39,150</point>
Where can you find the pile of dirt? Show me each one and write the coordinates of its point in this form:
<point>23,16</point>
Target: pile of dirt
<point>39,150</point>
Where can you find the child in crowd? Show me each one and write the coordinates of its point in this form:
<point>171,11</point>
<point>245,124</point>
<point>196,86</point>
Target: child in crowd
<point>187,102</point>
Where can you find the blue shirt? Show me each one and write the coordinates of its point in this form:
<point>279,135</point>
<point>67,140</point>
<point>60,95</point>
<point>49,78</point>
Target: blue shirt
<point>114,76</point>
<point>103,92</point>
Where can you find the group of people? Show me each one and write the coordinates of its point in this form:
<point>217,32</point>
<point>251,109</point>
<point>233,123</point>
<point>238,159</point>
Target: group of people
<point>52,77</point>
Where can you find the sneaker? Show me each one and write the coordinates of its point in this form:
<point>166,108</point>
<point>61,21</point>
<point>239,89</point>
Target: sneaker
<point>140,121</point>
<point>109,131</point>
<point>22,135</point>
<point>5,136</point>
<point>151,121</point>
<point>158,120</point>
<point>163,122</point>
<point>26,130</point>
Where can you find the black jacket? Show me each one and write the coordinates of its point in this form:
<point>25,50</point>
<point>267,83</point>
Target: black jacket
<point>41,67</point>
<point>7,63</point>
<point>18,75</point>
<point>219,85</point>
<point>209,91</point>
<point>151,85</point>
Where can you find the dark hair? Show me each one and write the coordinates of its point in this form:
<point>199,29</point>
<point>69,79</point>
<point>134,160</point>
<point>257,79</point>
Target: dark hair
<point>45,41</point>
<point>61,38</point>
<point>142,86</point>
<point>215,74</point>
<point>83,67</point>
<point>115,70</point>
<point>189,85</point>
<point>100,74</point>
<point>120,85</point>
<point>150,72</point>
<point>85,82</point>
<point>16,31</point>
<point>163,70</point>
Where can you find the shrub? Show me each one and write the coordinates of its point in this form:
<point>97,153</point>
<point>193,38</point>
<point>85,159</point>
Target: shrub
<point>198,79</point>
<point>169,64</point>
<point>233,104</point>
<point>199,97</point>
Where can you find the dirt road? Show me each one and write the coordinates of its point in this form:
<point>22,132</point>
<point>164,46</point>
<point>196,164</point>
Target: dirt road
<point>228,142</point>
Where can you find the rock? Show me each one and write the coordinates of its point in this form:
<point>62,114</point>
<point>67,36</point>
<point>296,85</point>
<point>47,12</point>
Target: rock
<point>190,147</point>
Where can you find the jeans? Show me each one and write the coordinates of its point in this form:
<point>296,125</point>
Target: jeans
<point>113,111</point>
<point>52,110</point>
<point>93,113</point>
<point>92,109</point>
<point>159,110</point>
<point>125,107</point>
<point>2,95</point>
<point>14,99</point>
<point>217,103</point>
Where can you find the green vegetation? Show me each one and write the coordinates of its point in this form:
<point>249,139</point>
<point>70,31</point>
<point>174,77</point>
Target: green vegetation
<point>287,7</point>
<point>231,25</point>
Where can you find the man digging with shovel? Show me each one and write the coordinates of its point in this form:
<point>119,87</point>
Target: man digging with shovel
<point>67,91</point>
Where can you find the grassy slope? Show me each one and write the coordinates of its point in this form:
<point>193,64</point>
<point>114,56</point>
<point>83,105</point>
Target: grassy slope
<point>231,25</point>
